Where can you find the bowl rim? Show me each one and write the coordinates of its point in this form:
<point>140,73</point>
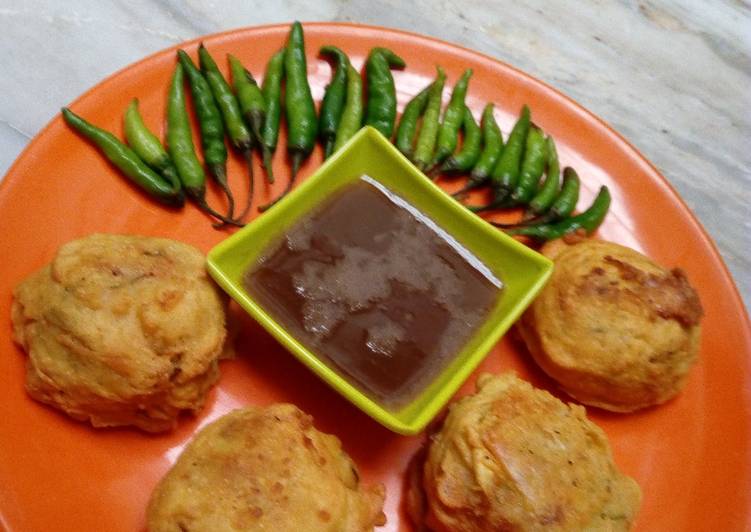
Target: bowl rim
<point>328,374</point>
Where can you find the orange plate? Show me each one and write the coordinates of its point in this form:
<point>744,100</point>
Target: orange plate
<point>691,457</point>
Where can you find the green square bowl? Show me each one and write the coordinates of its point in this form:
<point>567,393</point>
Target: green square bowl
<point>522,270</point>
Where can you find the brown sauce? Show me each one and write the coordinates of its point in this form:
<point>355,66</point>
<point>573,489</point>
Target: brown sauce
<point>375,290</point>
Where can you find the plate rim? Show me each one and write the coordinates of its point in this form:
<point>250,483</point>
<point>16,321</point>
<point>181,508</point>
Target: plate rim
<point>744,332</point>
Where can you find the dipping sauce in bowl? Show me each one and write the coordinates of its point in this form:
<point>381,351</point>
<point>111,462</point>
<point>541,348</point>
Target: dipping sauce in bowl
<point>383,286</point>
<point>375,289</point>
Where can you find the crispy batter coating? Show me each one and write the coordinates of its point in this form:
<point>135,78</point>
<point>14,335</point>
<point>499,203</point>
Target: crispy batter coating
<point>613,328</point>
<point>264,469</point>
<point>121,330</point>
<point>515,458</point>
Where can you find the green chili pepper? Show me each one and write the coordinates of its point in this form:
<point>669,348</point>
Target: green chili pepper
<point>125,160</point>
<point>428,135</point>
<point>353,109</point>
<point>452,120</point>
<point>492,139</point>
<point>532,167</point>
<point>149,149</point>
<point>253,110</point>
<point>470,151</point>
<point>549,189</point>
<point>239,133</point>
<point>563,204</point>
<point>380,110</point>
<point>181,149</point>
<point>566,201</point>
<point>209,116</point>
<point>506,172</point>
<point>405,133</point>
<point>333,99</point>
<point>302,122</point>
<point>249,96</point>
<point>210,125</point>
<point>301,111</point>
<point>589,221</point>
<point>505,175</point>
<point>272,95</point>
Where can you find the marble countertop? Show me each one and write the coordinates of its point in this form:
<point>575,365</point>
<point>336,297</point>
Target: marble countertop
<point>673,77</point>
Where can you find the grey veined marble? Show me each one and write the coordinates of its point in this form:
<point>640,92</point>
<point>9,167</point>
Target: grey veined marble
<point>673,77</point>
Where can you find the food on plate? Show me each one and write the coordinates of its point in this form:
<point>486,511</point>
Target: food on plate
<point>546,195</point>
<point>238,132</point>
<point>405,133</point>
<point>387,302</point>
<point>513,172</point>
<point>264,469</point>
<point>124,158</point>
<point>448,132</point>
<point>299,107</point>
<point>614,329</point>
<point>334,97</point>
<point>492,145</point>
<point>121,330</point>
<point>552,205</point>
<point>464,145</point>
<point>351,119</point>
<point>465,159</point>
<point>210,125</point>
<point>380,110</point>
<point>533,165</point>
<point>428,135</point>
<point>181,147</point>
<point>564,201</point>
<point>149,148</point>
<point>586,222</point>
<point>252,108</point>
<point>505,175</point>
<point>512,457</point>
<point>272,95</point>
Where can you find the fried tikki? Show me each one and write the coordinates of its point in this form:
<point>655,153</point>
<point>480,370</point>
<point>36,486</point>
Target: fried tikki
<point>614,329</point>
<point>259,469</point>
<point>121,330</point>
<point>515,458</point>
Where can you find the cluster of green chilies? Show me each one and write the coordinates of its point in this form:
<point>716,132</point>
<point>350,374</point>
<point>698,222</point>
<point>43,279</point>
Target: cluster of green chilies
<point>513,170</point>
<point>251,115</point>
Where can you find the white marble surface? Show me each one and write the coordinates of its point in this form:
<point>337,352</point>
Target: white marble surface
<point>674,77</point>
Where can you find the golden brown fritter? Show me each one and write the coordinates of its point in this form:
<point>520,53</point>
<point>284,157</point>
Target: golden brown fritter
<point>613,328</point>
<point>121,330</point>
<point>264,469</point>
<point>514,458</point>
